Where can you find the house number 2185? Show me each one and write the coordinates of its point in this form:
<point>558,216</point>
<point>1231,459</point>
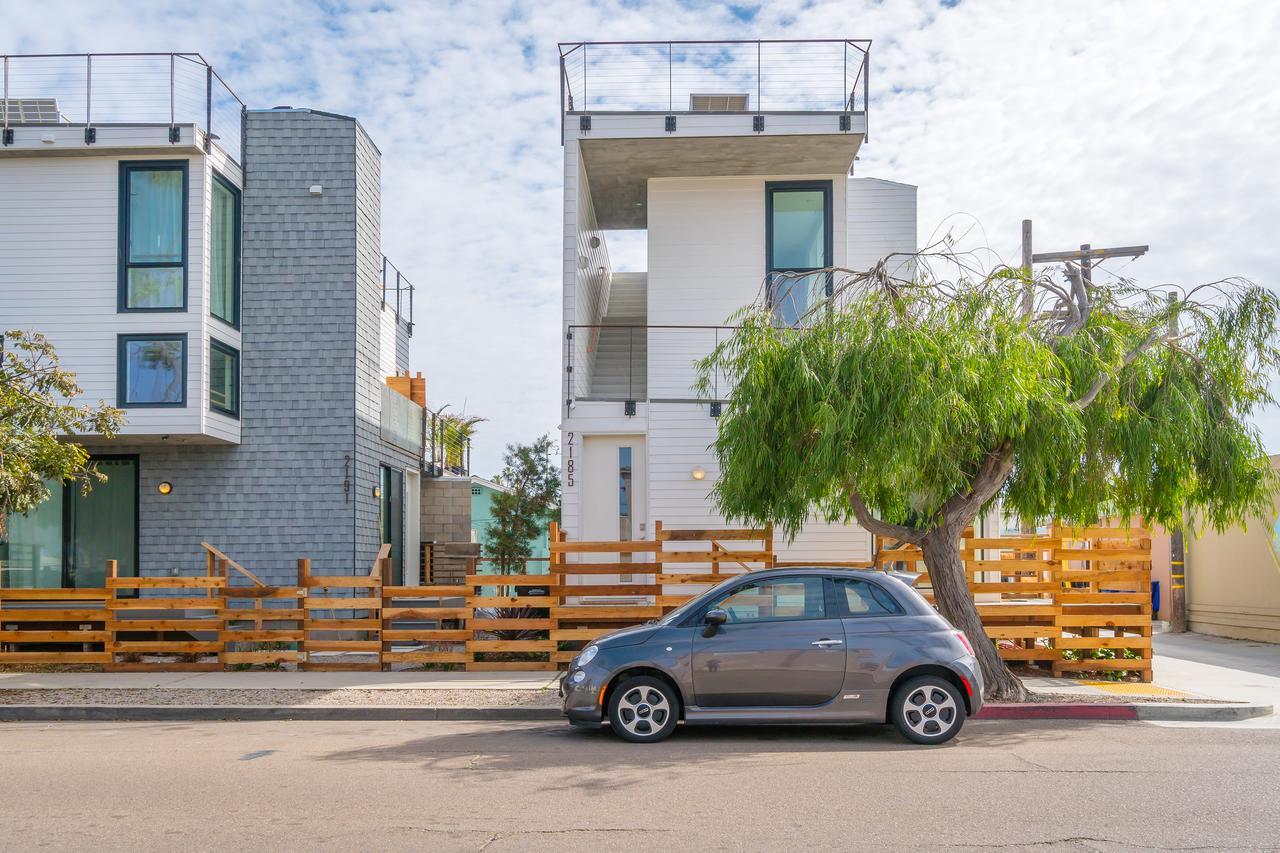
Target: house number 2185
<point>569,463</point>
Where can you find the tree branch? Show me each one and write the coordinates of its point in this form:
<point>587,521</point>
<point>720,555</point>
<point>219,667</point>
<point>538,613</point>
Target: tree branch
<point>990,477</point>
<point>881,528</point>
<point>1130,357</point>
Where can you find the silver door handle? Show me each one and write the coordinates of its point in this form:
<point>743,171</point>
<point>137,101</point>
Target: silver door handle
<point>825,643</point>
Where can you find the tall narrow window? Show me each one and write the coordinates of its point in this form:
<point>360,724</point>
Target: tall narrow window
<point>625,501</point>
<point>391,518</point>
<point>153,236</point>
<point>798,241</point>
<point>224,379</point>
<point>224,252</point>
<point>151,371</point>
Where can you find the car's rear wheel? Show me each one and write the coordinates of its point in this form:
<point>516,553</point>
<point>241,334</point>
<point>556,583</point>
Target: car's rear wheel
<point>927,709</point>
<point>643,709</point>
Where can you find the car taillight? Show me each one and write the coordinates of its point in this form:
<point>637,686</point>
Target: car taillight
<point>964,641</point>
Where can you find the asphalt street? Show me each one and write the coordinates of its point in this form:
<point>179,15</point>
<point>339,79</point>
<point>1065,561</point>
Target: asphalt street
<point>1047,786</point>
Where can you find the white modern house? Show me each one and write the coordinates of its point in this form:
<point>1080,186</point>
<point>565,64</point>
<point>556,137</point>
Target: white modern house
<point>738,160</point>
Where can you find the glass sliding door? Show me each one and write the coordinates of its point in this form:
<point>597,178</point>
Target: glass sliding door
<point>103,525</point>
<point>31,557</point>
<point>66,541</point>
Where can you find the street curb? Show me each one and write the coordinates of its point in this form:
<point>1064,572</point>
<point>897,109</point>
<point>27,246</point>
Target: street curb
<point>252,713</point>
<point>1161,711</point>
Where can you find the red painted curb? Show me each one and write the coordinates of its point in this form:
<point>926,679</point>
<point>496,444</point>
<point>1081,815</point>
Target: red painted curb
<point>1056,711</point>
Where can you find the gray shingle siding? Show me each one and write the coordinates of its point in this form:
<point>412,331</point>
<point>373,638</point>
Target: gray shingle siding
<point>311,290</point>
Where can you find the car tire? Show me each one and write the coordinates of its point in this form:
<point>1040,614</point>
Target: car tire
<point>927,710</point>
<point>643,709</point>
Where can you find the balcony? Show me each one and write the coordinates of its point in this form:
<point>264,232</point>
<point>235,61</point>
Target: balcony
<point>117,101</point>
<point>641,110</point>
<point>613,362</point>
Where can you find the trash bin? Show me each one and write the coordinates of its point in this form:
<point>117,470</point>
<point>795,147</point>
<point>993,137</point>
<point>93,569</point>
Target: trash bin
<point>1155,599</point>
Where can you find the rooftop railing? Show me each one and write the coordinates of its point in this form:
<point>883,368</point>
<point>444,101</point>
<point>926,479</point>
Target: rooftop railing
<point>98,89</point>
<point>397,292</point>
<point>764,75</point>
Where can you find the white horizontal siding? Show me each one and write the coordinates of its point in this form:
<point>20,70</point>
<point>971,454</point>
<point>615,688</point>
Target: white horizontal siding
<point>679,440</point>
<point>707,261</point>
<point>58,246</point>
<point>881,221</point>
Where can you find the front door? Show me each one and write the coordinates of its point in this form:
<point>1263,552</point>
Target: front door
<point>780,647</point>
<point>613,488</point>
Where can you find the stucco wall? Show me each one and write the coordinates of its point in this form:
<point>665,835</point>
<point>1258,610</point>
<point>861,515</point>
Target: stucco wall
<point>1233,580</point>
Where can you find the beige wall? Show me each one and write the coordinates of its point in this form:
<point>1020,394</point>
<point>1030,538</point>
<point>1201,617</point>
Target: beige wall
<point>1233,581</point>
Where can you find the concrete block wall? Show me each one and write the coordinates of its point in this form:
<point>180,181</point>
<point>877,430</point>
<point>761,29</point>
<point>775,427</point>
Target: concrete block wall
<point>446,509</point>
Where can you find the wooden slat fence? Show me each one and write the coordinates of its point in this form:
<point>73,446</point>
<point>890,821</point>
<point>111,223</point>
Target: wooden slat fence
<point>1075,600</point>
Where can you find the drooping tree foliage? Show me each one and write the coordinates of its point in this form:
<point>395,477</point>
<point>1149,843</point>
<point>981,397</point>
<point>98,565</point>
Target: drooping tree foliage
<point>36,421</point>
<point>910,403</point>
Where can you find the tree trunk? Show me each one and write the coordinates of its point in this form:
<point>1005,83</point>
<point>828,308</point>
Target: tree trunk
<point>955,603</point>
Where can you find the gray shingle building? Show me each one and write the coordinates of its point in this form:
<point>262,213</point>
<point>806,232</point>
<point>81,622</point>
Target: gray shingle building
<point>219,276</point>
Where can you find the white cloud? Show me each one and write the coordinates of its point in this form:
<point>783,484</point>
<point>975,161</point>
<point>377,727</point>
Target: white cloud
<point>1105,123</point>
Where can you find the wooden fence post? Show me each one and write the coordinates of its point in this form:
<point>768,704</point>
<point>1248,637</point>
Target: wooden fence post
<point>109,623</point>
<point>304,581</point>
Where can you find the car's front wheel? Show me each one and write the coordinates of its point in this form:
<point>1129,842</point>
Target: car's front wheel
<point>643,709</point>
<point>927,710</point>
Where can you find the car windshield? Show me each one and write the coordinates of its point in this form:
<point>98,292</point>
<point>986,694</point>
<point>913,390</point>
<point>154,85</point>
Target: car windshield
<point>692,604</point>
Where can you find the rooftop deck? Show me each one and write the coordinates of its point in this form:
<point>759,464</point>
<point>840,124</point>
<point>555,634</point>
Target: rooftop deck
<point>177,95</point>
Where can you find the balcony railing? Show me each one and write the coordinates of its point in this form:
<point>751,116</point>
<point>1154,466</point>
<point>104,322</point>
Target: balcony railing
<point>90,90</point>
<point>631,364</point>
<point>770,75</point>
<point>397,291</point>
<point>447,445</point>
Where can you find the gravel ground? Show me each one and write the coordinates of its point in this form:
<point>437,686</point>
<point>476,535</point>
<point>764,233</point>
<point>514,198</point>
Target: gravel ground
<point>169,696</point>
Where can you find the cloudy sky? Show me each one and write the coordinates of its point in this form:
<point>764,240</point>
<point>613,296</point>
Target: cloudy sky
<point>1105,122</point>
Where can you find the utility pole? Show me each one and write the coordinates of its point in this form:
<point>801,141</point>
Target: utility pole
<point>1177,545</point>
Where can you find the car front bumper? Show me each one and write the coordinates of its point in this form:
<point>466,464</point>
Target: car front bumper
<point>581,702</point>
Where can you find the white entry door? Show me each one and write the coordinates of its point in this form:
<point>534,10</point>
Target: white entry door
<point>614,494</point>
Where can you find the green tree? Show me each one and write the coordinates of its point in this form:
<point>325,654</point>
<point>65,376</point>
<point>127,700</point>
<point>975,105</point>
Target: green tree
<point>34,413</point>
<point>910,405</point>
<point>523,513</point>
<point>454,434</point>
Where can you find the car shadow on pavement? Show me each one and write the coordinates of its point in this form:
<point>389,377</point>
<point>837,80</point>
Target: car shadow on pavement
<point>595,761</point>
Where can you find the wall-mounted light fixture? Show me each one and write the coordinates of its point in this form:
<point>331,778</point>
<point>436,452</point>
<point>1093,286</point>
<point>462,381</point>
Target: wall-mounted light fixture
<point>594,241</point>
<point>698,473</point>
<point>165,488</point>
<point>377,491</point>
<point>316,190</point>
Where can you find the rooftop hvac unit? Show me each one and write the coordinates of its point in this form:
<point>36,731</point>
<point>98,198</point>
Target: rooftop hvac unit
<point>719,103</point>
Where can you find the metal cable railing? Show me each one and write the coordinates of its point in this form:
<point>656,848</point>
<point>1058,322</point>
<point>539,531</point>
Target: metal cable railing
<point>92,90</point>
<point>764,75</point>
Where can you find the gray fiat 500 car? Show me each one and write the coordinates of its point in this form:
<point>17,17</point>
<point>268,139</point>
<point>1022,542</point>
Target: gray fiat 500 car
<point>782,646</point>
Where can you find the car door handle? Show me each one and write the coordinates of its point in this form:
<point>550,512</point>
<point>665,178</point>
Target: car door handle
<point>825,643</point>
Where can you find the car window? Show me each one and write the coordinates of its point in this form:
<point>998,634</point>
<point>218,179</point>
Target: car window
<point>861,598</point>
<point>780,598</point>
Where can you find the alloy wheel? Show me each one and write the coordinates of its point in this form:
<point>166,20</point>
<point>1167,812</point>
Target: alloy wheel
<point>643,711</point>
<point>929,710</point>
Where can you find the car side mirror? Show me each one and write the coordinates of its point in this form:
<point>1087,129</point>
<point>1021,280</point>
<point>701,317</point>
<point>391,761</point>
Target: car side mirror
<point>713,619</point>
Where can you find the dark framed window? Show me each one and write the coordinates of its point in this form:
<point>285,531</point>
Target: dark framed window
<point>391,518</point>
<point>224,252</point>
<point>798,239</point>
<point>862,598</point>
<point>152,253</point>
<point>151,371</point>
<point>224,379</point>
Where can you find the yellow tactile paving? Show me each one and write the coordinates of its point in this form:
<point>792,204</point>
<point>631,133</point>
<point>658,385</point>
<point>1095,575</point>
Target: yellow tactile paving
<point>1121,688</point>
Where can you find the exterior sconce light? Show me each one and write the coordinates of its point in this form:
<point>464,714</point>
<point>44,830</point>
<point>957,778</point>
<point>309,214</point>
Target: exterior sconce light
<point>377,491</point>
<point>698,473</point>
<point>165,488</point>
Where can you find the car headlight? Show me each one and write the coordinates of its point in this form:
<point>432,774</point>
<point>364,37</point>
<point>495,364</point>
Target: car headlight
<point>588,655</point>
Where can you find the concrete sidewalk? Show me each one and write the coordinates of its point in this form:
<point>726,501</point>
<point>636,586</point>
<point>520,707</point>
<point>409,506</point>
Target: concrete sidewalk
<point>280,680</point>
<point>1188,668</point>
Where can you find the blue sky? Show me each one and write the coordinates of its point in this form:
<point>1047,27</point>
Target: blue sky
<point>1108,123</point>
